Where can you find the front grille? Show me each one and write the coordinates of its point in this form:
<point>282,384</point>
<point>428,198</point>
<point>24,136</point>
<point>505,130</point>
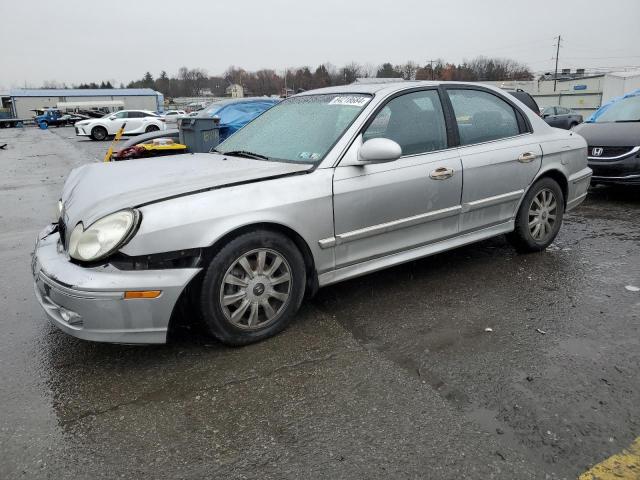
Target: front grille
<point>608,152</point>
<point>62,230</point>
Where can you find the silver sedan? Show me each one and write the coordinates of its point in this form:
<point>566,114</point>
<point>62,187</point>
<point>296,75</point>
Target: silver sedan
<point>328,185</point>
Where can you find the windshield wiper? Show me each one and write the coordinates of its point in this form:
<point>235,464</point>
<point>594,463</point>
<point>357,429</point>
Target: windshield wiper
<point>245,154</point>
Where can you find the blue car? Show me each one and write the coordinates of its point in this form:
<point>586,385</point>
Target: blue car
<point>236,113</point>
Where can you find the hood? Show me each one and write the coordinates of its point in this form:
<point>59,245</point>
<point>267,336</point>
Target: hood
<point>610,134</point>
<point>98,189</point>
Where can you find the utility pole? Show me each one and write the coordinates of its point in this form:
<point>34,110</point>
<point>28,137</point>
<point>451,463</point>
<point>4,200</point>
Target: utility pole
<point>555,75</point>
<point>431,62</point>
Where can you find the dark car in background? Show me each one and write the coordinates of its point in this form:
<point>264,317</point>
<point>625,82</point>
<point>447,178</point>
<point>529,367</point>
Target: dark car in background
<point>561,117</point>
<point>613,139</point>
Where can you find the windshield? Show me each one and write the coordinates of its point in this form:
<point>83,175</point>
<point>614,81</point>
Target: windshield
<point>299,129</point>
<point>625,110</point>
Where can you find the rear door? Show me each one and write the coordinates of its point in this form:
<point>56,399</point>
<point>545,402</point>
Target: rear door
<point>134,121</point>
<point>500,155</point>
<point>385,208</point>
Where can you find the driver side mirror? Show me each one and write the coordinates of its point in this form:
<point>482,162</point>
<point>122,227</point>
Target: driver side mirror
<point>112,117</point>
<point>379,150</point>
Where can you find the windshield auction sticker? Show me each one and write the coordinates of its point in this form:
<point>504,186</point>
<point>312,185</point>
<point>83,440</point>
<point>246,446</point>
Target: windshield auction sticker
<point>351,100</point>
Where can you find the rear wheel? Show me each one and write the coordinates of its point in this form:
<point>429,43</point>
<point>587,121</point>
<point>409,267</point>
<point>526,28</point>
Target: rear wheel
<point>252,288</point>
<point>573,124</point>
<point>99,133</point>
<point>539,217</point>
<point>152,128</point>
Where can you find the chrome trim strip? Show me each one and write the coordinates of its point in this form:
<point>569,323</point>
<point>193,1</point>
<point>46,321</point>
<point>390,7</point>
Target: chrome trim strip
<point>404,256</point>
<point>618,157</point>
<point>327,242</point>
<point>491,201</point>
<point>628,177</point>
<point>72,292</point>
<point>389,226</point>
<point>494,141</point>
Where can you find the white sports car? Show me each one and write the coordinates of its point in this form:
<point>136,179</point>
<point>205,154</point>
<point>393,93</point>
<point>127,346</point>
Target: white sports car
<point>135,121</point>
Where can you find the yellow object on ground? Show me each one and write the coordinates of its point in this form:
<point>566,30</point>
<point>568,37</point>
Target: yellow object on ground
<point>621,466</point>
<point>172,146</point>
<point>107,157</point>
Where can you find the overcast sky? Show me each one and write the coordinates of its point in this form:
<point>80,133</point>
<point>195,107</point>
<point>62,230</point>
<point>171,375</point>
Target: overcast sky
<point>77,41</point>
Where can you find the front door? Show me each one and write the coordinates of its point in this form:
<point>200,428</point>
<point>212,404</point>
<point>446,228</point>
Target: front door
<point>500,157</point>
<point>119,118</point>
<point>381,209</point>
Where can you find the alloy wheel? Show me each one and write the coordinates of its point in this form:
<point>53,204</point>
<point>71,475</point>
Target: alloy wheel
<point>543,213</point>
<point>255,289</point>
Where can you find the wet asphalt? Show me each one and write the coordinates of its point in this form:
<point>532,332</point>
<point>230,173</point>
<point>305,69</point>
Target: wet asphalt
<point>392,375</point>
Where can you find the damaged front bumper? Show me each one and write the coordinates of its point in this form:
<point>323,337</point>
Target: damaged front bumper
<point>89,302</point>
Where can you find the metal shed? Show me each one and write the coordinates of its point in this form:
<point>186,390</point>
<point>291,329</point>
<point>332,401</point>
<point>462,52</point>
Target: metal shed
<point>24,101</point>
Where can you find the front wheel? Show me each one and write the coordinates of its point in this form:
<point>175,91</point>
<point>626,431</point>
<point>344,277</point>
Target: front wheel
<point>539,217</point>
<point>99,133</point>
<point>252,288</point>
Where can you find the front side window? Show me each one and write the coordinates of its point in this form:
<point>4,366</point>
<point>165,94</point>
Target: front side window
<point>121,115</point>
<point>299,129</point>
<point>482,116</point>
<point>415,121</point>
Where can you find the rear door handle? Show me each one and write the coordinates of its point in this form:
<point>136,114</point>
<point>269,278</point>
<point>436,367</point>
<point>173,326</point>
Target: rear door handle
<point>527,157</point>
<point>441,173</point>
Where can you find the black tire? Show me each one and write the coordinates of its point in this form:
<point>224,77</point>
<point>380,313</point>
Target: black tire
<point>99,133</point>
<point>525,238</point>
<point>151,128</point>
<point>574,124</point>
<point>218,319</point>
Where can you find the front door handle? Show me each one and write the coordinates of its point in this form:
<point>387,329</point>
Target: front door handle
<point>441,173</point>
<point>527,157</point>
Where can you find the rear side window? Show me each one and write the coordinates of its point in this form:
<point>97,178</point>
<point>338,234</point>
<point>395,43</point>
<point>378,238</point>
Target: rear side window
<point>414,120</point>
<point>482,116</point>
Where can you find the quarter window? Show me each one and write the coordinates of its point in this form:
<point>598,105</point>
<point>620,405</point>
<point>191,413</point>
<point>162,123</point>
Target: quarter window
<point>482,116</point>
<point>415,121</point>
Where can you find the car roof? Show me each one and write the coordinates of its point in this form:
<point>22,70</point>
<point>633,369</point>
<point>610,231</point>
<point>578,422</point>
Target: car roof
<point>371,88</point>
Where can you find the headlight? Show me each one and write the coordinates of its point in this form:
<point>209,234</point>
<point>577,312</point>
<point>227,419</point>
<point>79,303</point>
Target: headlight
<point>102,237</point>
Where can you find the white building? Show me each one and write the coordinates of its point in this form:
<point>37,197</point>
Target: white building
<point>619,83</point>
<point>23,102</point>
<point>235,91</point>
<point>584,94</point>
